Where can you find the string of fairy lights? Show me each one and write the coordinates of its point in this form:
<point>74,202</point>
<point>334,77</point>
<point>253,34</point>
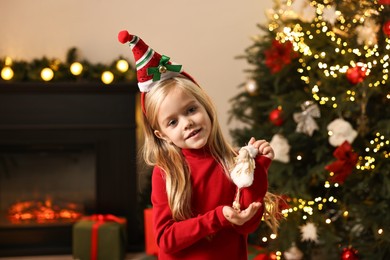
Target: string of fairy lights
<point>380,146</point>
<point>310,59</point>
<point>296,34</point>
<point>372,55</point>
<point>107,74</point>
<point>307,208</point>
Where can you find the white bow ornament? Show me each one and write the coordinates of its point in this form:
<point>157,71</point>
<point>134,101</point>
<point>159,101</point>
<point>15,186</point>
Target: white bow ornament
<point>305,119</point>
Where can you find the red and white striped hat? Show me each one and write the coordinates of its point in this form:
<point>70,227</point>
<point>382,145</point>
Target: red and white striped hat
<point>150,65</point>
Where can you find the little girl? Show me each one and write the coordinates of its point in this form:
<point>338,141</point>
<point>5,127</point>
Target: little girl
<point>192,191</point>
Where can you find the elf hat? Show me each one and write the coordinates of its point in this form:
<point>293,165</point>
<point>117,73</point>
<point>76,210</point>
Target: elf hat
<point>150,65</point>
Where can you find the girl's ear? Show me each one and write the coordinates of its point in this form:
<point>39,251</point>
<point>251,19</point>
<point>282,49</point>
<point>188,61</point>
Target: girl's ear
<point>161,136</point>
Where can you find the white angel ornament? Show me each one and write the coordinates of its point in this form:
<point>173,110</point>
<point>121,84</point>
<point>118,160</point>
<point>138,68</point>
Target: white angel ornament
<point>243,172</point>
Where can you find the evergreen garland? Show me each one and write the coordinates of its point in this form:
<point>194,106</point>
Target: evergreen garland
<point>24,71</point>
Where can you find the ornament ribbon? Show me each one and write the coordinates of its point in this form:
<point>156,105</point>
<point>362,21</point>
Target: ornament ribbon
<point>163,66</point>
<point>343,167</point>
<point>99,220</point>
<point>279,55</point>
<point>305,120</point>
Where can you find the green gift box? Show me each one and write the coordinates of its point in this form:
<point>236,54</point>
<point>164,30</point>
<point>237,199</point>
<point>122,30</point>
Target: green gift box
<point>99,237</point>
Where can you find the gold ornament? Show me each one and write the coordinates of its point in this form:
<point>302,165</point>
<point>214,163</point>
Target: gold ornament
<point>251,87</point>
<point>162,69</point>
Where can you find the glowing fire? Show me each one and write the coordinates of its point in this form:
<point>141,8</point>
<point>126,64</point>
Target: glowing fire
<point>43,211</point>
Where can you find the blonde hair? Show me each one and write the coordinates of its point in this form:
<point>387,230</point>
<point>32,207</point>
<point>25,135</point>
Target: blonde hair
<point>169,158</point>
<point>158,152</point>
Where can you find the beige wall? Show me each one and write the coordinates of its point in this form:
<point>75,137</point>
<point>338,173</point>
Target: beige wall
<point>204,36</point>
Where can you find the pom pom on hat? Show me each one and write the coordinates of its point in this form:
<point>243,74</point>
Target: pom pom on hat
<point>151,66</point>
<point>124,36</point>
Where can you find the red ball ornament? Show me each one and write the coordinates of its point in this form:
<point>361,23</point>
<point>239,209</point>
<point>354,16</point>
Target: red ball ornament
<point>386,28</point>
<point>356,74</point>
<point>349,254</point>
<point>276,116</point>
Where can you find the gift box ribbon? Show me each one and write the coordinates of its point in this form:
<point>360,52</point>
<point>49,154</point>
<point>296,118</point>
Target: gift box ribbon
<point>99,220</point>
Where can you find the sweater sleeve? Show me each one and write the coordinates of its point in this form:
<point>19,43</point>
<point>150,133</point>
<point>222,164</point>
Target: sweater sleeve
<point>173,236</point>
<point>255,192</point>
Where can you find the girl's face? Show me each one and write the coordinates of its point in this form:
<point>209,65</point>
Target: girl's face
<point>183,121</point>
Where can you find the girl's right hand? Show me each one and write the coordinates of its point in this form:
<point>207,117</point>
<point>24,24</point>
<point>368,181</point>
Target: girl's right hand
<point>240,217</point>
<point>263,146</point>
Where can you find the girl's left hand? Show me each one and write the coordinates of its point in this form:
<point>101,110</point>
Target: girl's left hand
<point>264,147</point>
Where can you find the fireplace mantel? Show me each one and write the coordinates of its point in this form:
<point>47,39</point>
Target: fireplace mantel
<point>43,114</point>
<point>69,105</point>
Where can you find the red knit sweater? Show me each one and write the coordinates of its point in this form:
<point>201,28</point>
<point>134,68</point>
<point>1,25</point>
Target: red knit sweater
<point>207,235</point>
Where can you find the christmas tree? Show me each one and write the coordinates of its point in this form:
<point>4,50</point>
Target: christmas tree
<point>318,89</point>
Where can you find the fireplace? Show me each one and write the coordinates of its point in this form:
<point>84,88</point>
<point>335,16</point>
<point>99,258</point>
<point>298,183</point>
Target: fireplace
<point>47,184</point>
<point>67,150</point>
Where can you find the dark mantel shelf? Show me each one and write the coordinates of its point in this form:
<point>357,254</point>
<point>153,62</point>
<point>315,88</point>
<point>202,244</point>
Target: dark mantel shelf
<point>67,87</point>
<point>66,105</point>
